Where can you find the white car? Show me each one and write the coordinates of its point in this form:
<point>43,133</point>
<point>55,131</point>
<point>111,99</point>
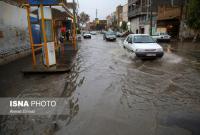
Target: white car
<point>93,32</point>
<point>162,36</point>
<point>78,37</point>
<point>109,36</point>
<point>87,35</point>
<point>143,46</point>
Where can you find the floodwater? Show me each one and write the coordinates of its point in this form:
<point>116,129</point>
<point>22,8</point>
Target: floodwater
<point>110,92</point>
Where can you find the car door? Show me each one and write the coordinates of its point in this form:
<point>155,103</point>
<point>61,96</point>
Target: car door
<point>129,42</point>
<point>126,41</point>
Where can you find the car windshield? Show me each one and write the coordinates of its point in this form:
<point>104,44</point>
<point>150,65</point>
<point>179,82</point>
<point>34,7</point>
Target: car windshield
<point>110,33</point>
<point>163,33</point>
<point>143,39</point>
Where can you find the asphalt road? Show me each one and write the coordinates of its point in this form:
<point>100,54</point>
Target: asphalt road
<point>112,93</point>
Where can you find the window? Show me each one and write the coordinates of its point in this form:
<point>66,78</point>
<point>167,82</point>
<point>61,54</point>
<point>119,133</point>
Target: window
<point>129,39</point>
<point>48,29</point>
<point>143,39</point>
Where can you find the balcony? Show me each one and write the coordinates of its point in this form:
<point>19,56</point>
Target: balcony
<point>138,11</point>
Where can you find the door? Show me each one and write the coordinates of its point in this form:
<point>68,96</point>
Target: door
<point>126,42</point>
<point>129,42</point>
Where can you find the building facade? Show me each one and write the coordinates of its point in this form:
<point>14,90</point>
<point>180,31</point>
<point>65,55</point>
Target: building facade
<point>109,21</point>
<point>162,15</point>
<point>170,16</point>
<point>119,14</point>
<point>142,15</point>
<point>125,13</point>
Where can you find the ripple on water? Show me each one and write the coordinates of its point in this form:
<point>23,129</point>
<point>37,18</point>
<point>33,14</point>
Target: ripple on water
<point>151,71</point>
<point>172,58</point>
<point>123,56</point>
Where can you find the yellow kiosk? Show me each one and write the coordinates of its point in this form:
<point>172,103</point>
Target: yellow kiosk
<point>47,34</point>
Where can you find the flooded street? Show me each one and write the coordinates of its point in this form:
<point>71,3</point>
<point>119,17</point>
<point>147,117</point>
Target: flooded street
<point>110,92</point>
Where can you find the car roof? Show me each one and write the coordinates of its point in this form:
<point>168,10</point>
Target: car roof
<point>108,32</point>
<point>139,34</point>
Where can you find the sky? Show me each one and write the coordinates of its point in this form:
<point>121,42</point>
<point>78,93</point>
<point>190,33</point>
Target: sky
<point>104,7</point>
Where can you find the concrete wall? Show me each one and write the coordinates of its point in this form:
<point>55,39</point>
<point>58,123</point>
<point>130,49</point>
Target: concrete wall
<point>134,24</point>
<point>147,29</point>
<point>13,27</point>
<point>185,32</point>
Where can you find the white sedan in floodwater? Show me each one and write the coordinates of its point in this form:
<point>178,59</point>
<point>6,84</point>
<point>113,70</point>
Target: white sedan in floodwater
<point>143,46</point>
<point>87,35</point>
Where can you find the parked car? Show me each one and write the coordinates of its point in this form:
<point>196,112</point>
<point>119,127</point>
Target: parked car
<point>109,36</point>
<point>87,35</point>
<point>143,46</point>
<point>93,32</point>
<point>162,36</point>
<point>103,32</point>
<point>118,34</point>
<point>78,37</point>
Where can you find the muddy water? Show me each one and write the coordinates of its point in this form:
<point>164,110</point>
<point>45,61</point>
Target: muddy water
<point>110,92</point>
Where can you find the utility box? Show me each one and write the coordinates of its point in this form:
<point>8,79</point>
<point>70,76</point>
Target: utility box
<point>49,35</point>
<point>51,54</point>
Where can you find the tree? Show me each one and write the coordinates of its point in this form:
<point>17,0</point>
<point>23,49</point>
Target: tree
<point>115,26</point>
<point>83,18</point>
<point>193,19</point>
<point>124,26</point>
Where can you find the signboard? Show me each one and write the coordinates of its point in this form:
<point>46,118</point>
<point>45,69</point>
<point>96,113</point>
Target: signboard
<point>44,2</point>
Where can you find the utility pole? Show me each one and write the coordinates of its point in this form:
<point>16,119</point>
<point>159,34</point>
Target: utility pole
<point>74,9</point>
<point>96,13</point>
<point>151,18</point>
<point>96,19</point>
<point>74,25</point>
<point>183,3</point>
<point>172,3</point>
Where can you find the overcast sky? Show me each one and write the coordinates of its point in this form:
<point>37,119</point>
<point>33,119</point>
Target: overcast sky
<point>104,7</point>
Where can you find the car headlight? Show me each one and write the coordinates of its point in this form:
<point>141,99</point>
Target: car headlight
<point>160,50</point>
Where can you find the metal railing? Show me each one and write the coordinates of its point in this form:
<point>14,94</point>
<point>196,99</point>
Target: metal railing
<point>138,11</point>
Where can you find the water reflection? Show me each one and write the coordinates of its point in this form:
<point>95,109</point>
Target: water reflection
<point>48,125</point>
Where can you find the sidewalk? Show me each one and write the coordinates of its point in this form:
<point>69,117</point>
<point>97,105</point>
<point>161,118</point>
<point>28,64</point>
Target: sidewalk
<point>65,55</point>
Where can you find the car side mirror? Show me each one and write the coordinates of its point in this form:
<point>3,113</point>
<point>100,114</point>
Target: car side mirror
<point>130,42</point>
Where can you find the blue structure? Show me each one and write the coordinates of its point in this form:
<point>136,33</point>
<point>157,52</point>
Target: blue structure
<point>36,33</point>
<point>44,2</point>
